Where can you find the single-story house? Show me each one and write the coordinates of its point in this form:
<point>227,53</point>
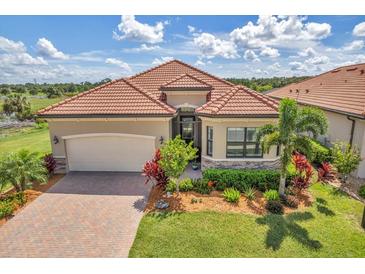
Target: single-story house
<point>117,126</point>
<point>340,93</point>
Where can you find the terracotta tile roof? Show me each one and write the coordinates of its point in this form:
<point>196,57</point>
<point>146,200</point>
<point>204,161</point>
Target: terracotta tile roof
<point>240,101</point>
<point>141,95</point>
<point>185,81</point>
<point>152,79</point>
<point>340,90</point>
<point>118,97</point>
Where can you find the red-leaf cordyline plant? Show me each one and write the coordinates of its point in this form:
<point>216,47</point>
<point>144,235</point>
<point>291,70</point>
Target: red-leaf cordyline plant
<point>326,172</point>
<point>304,171</point>
<point>153,171</point>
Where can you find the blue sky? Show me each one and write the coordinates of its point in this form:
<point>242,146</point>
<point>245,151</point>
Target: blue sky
<point>90,48</point>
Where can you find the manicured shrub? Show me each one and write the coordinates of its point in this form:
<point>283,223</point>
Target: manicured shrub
<point>153,171</point>
<point>242,178</point>
<point>346,158</point>
<point>186,184</point>
<point>362,191</point>
<point>275,207</point>
<point>319,153</point>
<point>289,201</point>
<point>291,172</point>
<point>231,195</point>
<point>171,185</point>
<point>6,208</point>
<point>326,172</point>
<point>49,163</point>
<point>303,171</point>
<point>201,186</point>
<point>250,193</point>
<point>271,195</point>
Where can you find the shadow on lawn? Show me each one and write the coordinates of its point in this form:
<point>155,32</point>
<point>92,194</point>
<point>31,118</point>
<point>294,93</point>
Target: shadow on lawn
<point>281,226</point>
<point>322,207</point>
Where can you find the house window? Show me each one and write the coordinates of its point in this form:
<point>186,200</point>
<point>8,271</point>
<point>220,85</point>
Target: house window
<point>210,141</point>
<point>242,143</point>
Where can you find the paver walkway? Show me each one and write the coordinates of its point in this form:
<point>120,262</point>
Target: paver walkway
<point>86,214</point>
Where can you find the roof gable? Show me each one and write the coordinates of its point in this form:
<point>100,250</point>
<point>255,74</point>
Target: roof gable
<point>186,82</point>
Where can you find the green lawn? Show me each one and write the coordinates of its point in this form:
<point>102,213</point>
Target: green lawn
<point>329,228</point>
<point>31,138</point>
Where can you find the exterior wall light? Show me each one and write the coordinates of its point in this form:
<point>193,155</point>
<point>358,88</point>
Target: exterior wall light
<point>161,140</point>
<point>55,140</point>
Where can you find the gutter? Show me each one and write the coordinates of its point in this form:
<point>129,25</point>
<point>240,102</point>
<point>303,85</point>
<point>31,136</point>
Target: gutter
<point>352,129</point>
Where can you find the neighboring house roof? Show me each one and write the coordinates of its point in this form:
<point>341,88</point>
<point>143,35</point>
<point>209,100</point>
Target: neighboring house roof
<point>141,95</point>
<point>240,101</point>
<point>186,82</point>
<point>340,90</point>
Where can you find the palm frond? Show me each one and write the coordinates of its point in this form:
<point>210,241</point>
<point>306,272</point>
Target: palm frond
<point>303,144</point>
<point>269,140</point>
<point>265,130</point>
<point>311,119</point>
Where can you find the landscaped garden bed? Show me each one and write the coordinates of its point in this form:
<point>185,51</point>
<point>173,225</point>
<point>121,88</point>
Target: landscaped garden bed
<point>28,196</point>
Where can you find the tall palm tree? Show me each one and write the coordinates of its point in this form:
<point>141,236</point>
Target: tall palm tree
<point>291,133</point>
<point>21,169</point>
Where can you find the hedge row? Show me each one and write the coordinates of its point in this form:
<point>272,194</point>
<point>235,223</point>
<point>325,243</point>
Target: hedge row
<point>243,178</point>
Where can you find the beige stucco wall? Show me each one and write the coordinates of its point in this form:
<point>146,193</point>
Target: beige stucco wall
<point>64,127</point>
<point>220,134</point>
<point>339,129</point>
<point>193,98</point>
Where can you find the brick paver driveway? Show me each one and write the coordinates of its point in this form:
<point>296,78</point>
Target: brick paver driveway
<point>86,214</point>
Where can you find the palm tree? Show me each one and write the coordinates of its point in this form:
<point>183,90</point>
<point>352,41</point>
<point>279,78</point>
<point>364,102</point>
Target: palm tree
<point>17,104</point>
<point>291,134</point>
<point>21,169</point>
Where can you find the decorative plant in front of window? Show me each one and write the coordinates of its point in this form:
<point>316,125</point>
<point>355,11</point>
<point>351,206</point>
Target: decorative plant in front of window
<point>175,156</point>
<point>304,171</point>
<point>294,123</point>
<point>153,171</point>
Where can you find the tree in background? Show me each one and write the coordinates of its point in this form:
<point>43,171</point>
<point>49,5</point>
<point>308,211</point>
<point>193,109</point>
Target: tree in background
<point>5,91</point>
<point>345,158</point>
<point>17,104</point>
<point>290,133</point>
<point>53,92</point>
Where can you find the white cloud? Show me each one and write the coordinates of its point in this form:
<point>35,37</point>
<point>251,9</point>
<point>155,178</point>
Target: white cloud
<point>7,45</point>
<point>142,48</point>
<point>159,61</point>
<point>354,45</point>
<point>288,31</point>
<point>210,46</point>
<point>297,66</point>
<point>119,63</point>
<point>270,52</point>
<point>308,52</point>
<point>250,55</point>
<point>191,29</point>
<point>359,29</point>
<point>199,63</point>
<point>47,49</point>
<point>275,67</point>
<point>318,60</point>
<point>131,29</point>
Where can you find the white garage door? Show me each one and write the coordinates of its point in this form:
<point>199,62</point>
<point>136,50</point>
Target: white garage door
<point>108,152</point>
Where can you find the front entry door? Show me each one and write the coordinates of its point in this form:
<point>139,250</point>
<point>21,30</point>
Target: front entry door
<point>187,128</point>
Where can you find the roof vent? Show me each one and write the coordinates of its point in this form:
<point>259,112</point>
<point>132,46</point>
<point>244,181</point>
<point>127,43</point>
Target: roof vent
<point>307,90</point>
<point>291,91</point>
<point>320,84</point>
<point>352,69</point>
<point>297,90</point>
<point>362,72</point>
<point>345,80</point>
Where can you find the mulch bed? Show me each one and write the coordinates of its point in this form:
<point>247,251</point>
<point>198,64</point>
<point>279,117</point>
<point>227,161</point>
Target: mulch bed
<point>32,194</point>
<point>182,202</point>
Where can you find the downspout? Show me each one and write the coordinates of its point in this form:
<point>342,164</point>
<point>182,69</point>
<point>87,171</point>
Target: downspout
<point>352,129</point>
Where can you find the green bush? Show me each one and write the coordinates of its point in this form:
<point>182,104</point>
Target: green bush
<point>271,195</point>
<point>362,191</point>
<point>201,186</point>
<point>290,174</point>
<point>171,185</point>
<point>274,207</point>
<point>320,153</point>
<point>19,198</point>
<point>231,195</point>
<point>250,193</point>
<point>186,184</point>
<point>243,178</point>
<point>6,208</point>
